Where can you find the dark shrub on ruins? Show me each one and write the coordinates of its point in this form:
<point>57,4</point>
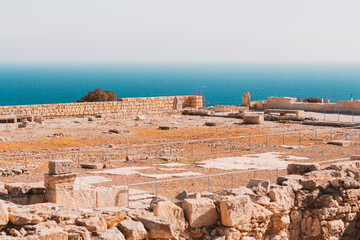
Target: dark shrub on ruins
<point>312,100</point>
<point>99,95</point>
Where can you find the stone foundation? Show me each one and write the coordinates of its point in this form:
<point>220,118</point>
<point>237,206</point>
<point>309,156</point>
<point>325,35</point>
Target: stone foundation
<point>290,103</point>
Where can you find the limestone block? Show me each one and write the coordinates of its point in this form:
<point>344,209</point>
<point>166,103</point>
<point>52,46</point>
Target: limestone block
<point>63,182</point>
<point>85,198</point>
<point>200,212</point>
<point>4,219</point>
<point>77,232</point>
<point>283,196</point>
<point>171,213</point>
<point>23,217</point>
<point>132,229</point>
<point>302,168</point>
<point>260,187</point>
<point>64,198</point>
<point>235,210</point>
<point>93,224</point>
<point>157,228</point>
<point>253,118</point>
<point>92,165</point>
<point>49,233</point>
<point>112,234</point>
<point>111,196</point>
<point>18,188</point>
<point>57,167</point>
<point>314,183</point>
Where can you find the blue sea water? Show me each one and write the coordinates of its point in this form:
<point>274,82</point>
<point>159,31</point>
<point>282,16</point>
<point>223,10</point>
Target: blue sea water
<point>219,83</point>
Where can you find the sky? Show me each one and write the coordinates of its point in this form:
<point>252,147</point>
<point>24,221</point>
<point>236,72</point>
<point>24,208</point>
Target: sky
<point>179,31</point>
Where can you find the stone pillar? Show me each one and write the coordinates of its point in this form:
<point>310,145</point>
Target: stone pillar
<point>59,183</point>
<point>246,99</point>
<point>178,105</point>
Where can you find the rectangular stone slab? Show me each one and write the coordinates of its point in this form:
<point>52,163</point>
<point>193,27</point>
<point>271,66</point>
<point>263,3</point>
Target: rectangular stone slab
<point>57,167</point>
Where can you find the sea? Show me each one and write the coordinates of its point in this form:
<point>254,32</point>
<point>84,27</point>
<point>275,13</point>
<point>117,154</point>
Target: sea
<point>220,84</point>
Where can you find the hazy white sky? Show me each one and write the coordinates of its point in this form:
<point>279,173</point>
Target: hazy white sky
<point>179,31</point>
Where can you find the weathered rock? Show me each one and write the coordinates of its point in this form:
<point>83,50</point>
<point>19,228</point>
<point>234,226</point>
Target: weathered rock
<point>49,233</point>
<point>283,196</point>
<point>57,167</point>
<point>342,143</point>
<point>132,229</point>
<point>295,185</point>
<point>112,234</point>
<point>253,118</point>
<point>93,224</point>
<point>229,233</point>
<point>293,177</point>
<point>4,218</point>
<point>325,174</point>
<point>241,191</point>
<point>314,183</point>
<point>200,212</point>
<point>336,228</point>
<point>171,213</point>
<point>302,168</point>
<point>24,217</point>
<point>92,165</point>
<point>310,226</point>
<point>18,188</point>
<point>235,210</point>
<point>77,232</point>
<point>260,187</point>
<point>155,201</point>
<point>346,182</point>
<point>3,190</point>
<point>156,227</point>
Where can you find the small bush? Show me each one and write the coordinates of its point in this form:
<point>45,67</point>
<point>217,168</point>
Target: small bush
<point>312,100</point>
<point>99,95</point>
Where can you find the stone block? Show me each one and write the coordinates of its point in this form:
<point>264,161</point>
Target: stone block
<point>132,229</point>
<point>157,228</point>
<point>112,234</point>
<point>4,219</point>
<point>342,143</point>
<point>260,187</point>
<point>236,210</point>
<point>200,212</point>
<point>57,167</point>
<point>302,168</point>
<point>111,196</point>
<point>169,212</point>
<point>92,165</point>
<point>85,198</point>
<point>253,118</point>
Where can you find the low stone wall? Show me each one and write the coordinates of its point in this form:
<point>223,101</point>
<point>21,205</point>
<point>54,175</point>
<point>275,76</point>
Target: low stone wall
<point>290,103</point>
<point>309,203</point>
<point>126,107</point>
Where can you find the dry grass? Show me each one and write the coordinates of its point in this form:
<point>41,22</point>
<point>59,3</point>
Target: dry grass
<point>47,143</point>
<point>153,135</point>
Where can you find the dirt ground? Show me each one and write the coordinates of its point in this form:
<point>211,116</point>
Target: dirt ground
<point>84,141</point>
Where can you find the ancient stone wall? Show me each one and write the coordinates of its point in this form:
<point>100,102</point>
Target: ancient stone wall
<point>309,203</point>
<point>126,107</point>
<point>290,103</point>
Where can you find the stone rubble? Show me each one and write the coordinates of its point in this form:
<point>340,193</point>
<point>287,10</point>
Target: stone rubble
<point>312,204</point>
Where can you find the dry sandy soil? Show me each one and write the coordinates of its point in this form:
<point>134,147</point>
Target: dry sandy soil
<point>83,141</point>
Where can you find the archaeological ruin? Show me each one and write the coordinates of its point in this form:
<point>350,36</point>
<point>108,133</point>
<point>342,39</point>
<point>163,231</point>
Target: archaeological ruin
<point>172,168</point>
